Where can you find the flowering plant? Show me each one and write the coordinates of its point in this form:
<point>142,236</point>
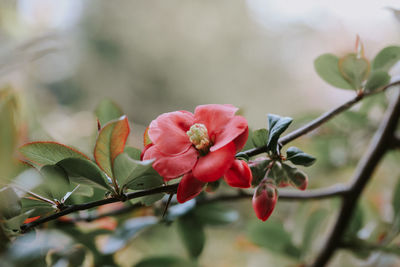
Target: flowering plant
<point>202,149</point>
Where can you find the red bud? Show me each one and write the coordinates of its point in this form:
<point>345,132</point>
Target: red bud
<point>300,180</point>
<point>264,199</point>
<point>239,174</point>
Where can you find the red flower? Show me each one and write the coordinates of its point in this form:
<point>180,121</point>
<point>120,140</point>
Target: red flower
<point>199,146</point>
<point>264,199</point>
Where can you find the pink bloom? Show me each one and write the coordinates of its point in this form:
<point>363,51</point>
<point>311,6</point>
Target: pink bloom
<point>264,199</point>
<point>199,146</point>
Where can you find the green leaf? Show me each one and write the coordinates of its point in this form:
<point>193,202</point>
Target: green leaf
<point>10,204</point>
<point>192,234</point>
<point>249,143</point>
<point>55,182</point>
<point>273,236</point>
<point>164,261</point>
<point>15,222</point>
<point>78,190</point>
<point>327,67</point>
<point>258,169</point>
<point>376,80</point>
<point>386,58</point>
<point>298,157</point>
<point>126,232</point>
<point>107,111</point>
<point>277,125</point>
<point>133,152</point>
<point>296,177</point>
<point>260,137</point>
<point>86,169</point>
<point>314,223</point>
<point>49,153</point>
<point>215,214</point>
<point>396,199</point>
<point>279,174</point>
<point>135,174</point>
<point>82,190</point>
<point>110,143</point>
<point>354,69</point>
<point>39,207</point>
<point>149,180</point>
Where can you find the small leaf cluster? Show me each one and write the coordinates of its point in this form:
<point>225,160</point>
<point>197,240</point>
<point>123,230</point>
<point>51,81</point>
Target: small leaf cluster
<point>275,165</point>
<point>354,71</point>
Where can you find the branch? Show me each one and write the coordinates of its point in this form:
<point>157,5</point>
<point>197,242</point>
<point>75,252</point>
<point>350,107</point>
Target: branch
<point>329,115</point>
<point>395,142</point>
<point>314,124</point>
<point>380,144</point>
<point>287,195</point>
<point>69,209</point>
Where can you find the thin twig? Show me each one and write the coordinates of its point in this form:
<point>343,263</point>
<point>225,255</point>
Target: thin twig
<point>330,114</point>
<point>286,195</point>
<point>69,209</point>
<point>167,205</point>
<point>379,145</point>
<point>320,120</point>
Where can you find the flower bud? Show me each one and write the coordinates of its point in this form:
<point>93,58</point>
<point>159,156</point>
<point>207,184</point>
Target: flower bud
<point>264,199</point>
<point>239,174</point>
<point>258,168</point>
<point>299,179</point>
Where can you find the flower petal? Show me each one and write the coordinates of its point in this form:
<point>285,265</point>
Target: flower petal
<point>232,130</point>
<point>213,166</point>
<point>189,187</point>
<point>144,150</point>
<point>168,132</point>
<point>170,167</point>
<point>238,175</point>
<point>214,116</point>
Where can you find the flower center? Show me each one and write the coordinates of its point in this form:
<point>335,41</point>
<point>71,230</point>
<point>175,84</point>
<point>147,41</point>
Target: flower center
<point>198,135</point>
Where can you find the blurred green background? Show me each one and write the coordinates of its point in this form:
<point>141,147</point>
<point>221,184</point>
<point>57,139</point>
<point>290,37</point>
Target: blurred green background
<point>63,57</point>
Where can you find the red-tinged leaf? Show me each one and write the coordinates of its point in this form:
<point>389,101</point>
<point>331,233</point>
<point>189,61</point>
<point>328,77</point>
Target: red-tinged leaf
<point>29,220</point>
<point>48,152</point>
<point>146,138</point>
<point>110,143</point>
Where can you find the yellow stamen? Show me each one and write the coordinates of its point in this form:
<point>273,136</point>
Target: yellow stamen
<point>198,135</point>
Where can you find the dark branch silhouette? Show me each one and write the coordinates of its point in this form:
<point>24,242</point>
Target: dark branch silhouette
<point>379,146</point>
